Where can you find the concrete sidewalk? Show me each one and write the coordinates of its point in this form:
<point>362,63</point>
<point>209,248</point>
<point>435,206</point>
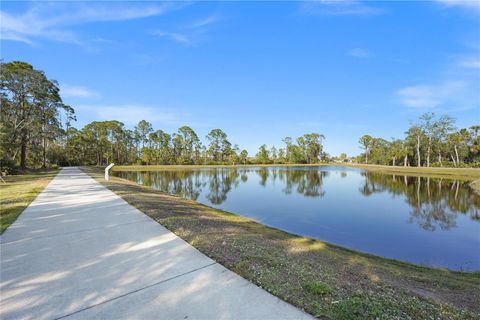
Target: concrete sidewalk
<point>80,252</point>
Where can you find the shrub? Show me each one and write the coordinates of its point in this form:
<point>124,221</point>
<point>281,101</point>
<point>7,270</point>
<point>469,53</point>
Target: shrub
<point>7,167</point>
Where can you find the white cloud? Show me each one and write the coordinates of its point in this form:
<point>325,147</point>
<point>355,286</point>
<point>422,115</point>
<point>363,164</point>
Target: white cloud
<point>175,36</point>
<point>473,63</point>
<point>130,115</point>
<point>76,92</point>
<point>431,96</point>
<point>465,4</point>
<point>52,20</point>
<point>205,21</point>
<point>359,53</point>
<point>338,7</point>
<point>189,34</point>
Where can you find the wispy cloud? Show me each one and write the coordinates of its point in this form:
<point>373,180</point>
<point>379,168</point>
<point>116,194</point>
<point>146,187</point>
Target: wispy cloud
<point>359,53</point>
<point>130,115</point>
<point>431,96</point>
<point>77,91</point>
<point>465,4</point>
<point>205,21</point>
<point>339,8</point>
<point>175,36</point>
<point>471,63</point>
<point>189,34</point>
<point>53,21</point>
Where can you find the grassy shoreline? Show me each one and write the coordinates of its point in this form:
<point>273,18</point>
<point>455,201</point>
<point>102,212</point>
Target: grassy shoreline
<point>325,280</point>
<point>467,174</point>
<point>19,191</point>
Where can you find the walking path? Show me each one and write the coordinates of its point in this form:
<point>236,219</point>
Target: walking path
<point>80,252</point>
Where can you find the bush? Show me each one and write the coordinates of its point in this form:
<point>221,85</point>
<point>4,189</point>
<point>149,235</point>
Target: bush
<point>7,167</point>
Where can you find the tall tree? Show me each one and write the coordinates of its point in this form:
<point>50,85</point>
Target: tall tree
<point>263,155</point>
<point>274,154</point>
<point>144,128</point>
<point>313,145</point>
<point>191,144</point>
<point>366,143</point>
<point>219,146</point>
<point>30,106</point>
<point>415,136</point>
<point>244,156</point>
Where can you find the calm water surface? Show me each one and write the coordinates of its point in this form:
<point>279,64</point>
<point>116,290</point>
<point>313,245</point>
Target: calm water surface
<point>434,222</point>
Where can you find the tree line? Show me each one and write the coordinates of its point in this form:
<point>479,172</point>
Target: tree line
<point>103,142</point>
<point>431,141</point>
<point>36,131</point>
<point>34,135</point>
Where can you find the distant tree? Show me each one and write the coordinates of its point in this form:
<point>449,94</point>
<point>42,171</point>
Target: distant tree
<point>415,136</point>
<point>366,143</point>
<point>273,154</point>
<point>234,155</point>
<point>263,154</point>
<point>396,150</point>
<point>313,145</point>
<point>244,156</point>
<point>144,128</point>
<point>281,155</point>
<point>457,141</point>
<point>191,144</point>
<point>219,146</point>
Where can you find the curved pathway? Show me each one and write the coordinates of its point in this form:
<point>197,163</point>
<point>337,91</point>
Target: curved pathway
<point>80,252</point>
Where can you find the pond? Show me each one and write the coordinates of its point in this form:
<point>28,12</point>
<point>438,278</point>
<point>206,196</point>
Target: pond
<point>426,221</point>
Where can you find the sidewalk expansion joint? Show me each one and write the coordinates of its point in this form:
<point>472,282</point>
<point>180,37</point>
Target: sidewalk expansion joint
<point>134,291</point>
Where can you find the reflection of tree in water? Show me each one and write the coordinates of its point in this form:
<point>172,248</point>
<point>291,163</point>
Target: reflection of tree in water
<point>434,202</point>
<point>244,176</point>
<point>185,183</point>
<point>263,173</point>
<point>307,182</point>
<point>220,183</point>
<point>190,183</point>
<point>430,216</point>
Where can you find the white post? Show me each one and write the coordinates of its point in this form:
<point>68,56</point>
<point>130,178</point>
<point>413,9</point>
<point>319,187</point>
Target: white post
<point>106,170</point>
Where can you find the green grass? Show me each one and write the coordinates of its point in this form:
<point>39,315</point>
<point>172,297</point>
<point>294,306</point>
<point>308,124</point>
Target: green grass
<point>317,288</point>
<point>327,281</point>
<point>467,174</point>
<point>18,192</point>
<point>475,185</point>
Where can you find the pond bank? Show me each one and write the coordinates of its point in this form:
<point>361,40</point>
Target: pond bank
<point>325,280</point>
<point>464,174</point>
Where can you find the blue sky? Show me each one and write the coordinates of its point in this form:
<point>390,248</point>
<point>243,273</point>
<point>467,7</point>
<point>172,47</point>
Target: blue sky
<point>258,70</point>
